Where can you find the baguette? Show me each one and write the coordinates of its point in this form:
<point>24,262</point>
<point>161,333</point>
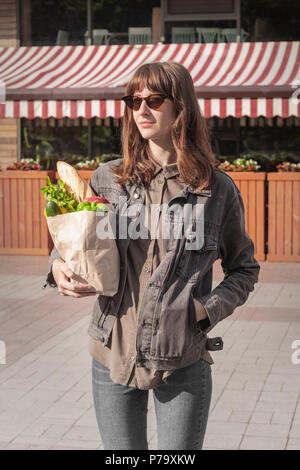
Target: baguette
<point>74,184</point>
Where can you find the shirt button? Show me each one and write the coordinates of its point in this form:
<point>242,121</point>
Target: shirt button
<point>132,358</point>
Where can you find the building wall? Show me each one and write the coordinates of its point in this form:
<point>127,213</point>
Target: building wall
<point>8,23</point>
<point>8,127</point>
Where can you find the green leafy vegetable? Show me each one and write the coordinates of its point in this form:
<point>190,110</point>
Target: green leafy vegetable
<point>58,194</point>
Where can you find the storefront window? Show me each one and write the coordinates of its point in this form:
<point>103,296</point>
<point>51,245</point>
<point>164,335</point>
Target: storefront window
<point>53,22</point>
<point>64,22</point>
<point>70,140</point>
<point>268,141</point>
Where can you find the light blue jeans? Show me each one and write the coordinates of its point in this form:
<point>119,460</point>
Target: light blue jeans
<point>181,407</point>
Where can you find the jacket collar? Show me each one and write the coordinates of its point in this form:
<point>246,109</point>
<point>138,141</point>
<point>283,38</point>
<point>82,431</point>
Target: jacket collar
<point>184,193</point>
<point>169,170</point>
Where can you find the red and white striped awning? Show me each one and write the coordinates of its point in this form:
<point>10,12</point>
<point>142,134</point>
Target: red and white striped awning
<point>231,79</point>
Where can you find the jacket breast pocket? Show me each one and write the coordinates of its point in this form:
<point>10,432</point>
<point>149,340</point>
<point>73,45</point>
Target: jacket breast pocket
<point>114,195</point>
<point>194,264</point>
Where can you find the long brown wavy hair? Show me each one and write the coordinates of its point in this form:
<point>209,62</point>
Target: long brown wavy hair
<point>189,132</point>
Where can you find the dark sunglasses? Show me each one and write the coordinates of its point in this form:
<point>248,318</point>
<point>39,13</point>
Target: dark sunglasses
<point>153,101</point>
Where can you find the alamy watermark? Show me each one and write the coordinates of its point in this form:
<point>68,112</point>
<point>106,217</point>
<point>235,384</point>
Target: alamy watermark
<point>2,352</point>
<point>295,357</point>
<point>137,221</point>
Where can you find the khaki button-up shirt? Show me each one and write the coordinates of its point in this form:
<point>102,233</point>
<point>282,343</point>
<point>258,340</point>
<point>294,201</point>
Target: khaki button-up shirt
<point>144,256</point>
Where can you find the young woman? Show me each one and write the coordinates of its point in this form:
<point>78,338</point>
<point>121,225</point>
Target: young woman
<point>152,334</point>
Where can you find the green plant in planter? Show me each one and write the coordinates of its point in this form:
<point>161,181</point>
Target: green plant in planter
<point>45,155</point>
<point>239,164</point>
<point>43,151</point>
<point>87,165</point>
<point>226,166</point>
<point>288,166</point>
<point>288,157</point>
<point>25,164</point>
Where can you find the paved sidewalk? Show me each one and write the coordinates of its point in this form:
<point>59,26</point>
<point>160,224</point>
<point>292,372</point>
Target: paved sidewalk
<point>45,386</point>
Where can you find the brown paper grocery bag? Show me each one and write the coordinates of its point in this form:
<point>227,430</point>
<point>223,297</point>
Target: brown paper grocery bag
<point>94,259</point>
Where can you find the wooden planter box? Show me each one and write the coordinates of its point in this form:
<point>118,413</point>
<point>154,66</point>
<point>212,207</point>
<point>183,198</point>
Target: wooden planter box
<point>284,216</point>
<point>252,187</point>
<point>23,227</point>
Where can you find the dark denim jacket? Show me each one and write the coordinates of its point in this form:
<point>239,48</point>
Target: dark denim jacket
<point>168,335</point>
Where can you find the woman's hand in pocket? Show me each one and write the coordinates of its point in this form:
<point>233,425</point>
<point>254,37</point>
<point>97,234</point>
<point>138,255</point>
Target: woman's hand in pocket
<point>63,277</point>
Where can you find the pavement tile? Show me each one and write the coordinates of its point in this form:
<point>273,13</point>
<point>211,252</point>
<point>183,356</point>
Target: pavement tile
<point>295,431</point>
<point>296,419</point>
<point>228,428</point>
<point>10,431</point>
<point>218,442</point>
<point>73,396</point>
<point>36,428</point>
<point>284,366</point>
<point>45,388</point>
<point>28,414</point>
<point>293,444</point>
<point>282,382</point>
<point>282,418</point>
<point>254,385</point>
<point>56,431</point>
<point>236,384</point>
<point>84,433</point>
<point>10,395</point>
<point>3,445</point>
<point>240,416</point>
<point>238,400</point>
<point>277,401</point>
<point>263,443</point>
<point>88,418</point>
<point>267,430</point>
<point>42,442</point>
<point>253,368</point>
<point>12,446</point>
<point>289,296</point>
<point>73,444</point>
<point>61,410</point>
<point>260,417</point>
<point>220,415</point>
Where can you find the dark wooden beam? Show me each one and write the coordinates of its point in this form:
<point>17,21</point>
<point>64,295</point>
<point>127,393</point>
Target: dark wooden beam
<point>116,93</point>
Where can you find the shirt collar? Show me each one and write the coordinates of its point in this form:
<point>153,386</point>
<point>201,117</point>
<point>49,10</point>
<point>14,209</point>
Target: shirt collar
<point>168,170</point>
